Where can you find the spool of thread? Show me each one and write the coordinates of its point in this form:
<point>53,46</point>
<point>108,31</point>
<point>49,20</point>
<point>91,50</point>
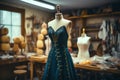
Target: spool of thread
<point>5,39</point>
<point>4,31</point>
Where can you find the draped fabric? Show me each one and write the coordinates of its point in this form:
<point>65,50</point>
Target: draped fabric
<point>59,65</point>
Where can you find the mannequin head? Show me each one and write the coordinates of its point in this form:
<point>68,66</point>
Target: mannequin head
<point>83,32</point>
<point>58,16</point>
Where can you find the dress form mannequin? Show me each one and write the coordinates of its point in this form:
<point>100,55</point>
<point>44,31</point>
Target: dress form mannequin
<point>59,64</point>
<point>59,21</point>
<point>83,43</point>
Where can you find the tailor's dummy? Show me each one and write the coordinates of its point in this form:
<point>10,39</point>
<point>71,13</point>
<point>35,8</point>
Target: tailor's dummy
<point>59,22</point>
<point>83,43</point>
<point>59,64</point>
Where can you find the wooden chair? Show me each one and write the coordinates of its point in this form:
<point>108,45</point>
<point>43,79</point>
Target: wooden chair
<point>21,67</point>
<point>20,74</point>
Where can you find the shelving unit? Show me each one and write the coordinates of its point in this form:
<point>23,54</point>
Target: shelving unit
<point>95,15</point>
<point>80,21</point>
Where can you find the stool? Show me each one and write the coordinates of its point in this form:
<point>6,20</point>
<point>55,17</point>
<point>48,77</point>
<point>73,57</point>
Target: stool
<point>20,74</point>
<point>21,67</point>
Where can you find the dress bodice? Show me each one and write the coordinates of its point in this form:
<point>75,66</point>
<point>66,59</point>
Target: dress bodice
<point>83,43</point>
<point>59,64</point>
<point>59,36</point>
<point>83,47</point>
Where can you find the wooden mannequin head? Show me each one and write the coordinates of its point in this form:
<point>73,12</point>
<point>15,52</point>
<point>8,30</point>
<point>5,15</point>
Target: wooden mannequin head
<point>58,15</point>
<point>83,32</point>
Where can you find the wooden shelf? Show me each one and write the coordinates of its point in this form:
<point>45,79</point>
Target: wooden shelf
<point>13,60</point>
<point>91,28</point>
<point>93,40</point>
<point>95,15</point>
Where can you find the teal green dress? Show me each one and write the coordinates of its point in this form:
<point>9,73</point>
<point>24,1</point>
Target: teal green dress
<point>59,65</point>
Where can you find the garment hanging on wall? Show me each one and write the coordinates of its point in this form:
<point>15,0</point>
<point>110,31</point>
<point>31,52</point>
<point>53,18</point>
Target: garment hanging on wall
<point>106,34</point>
<point>102,33</point>
<point>109,34</point>
<point>116,34</point>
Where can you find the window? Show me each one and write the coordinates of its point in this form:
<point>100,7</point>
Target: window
<point>12,18</point>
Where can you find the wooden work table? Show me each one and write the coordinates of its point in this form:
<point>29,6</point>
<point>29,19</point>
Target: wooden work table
<point>14,60</point>
<point>7,67</point>
<point>33,59</point>
<point>42,60</point>
<point>94,68</point>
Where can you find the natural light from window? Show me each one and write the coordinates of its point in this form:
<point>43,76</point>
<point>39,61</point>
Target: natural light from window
<point>11,20</point>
